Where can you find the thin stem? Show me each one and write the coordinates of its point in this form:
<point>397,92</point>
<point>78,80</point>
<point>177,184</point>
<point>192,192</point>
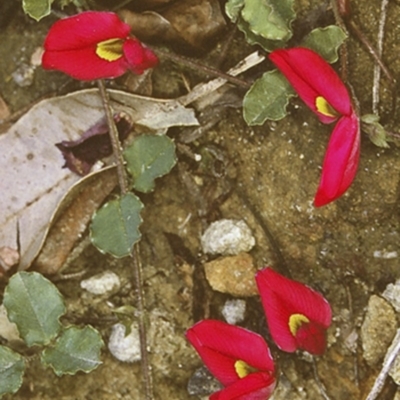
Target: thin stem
<point>389,359</point>
<point>201,67</point>
<point>356,30</point>
<point>338,11</point>
<point>116,146</point>
<point>137,272</point>
<point>377,70</point>
<point>141,314</point>
<point>318,381</point>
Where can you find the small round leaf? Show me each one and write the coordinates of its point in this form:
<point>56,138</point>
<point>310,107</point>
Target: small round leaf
<point>149,157</point>
<point>35,305</point>
<point>77,349</point>
<point>326,41</point>
<point>267,99</point>
<point>115,227</point>
<point>12,367</point>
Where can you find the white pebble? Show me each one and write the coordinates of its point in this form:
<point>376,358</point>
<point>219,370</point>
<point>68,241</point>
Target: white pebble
<point>227,237</point>
<point>234,310</point>
<point>387,255</point>
<point>102,283</point>
<point>124,348</point>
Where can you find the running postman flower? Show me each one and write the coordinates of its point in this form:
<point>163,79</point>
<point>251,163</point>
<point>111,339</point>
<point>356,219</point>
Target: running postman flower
<point>238,358</point>
<point>297,316</point>
<point>319,86</point>
<point>95,45</point>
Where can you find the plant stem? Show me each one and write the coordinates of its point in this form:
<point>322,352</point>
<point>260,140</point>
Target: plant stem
<point>356,30</point>
<point>146,367</point>
<point>193,64</point>
<point>377,70</point>
<point>137,272</point>
<point>338,8</point>
<point>116,146</point>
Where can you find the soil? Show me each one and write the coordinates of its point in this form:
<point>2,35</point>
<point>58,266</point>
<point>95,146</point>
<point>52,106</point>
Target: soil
<point>264,175</point>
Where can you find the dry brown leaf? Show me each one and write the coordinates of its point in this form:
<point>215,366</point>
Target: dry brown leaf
<point>4,110</point>
<point>72,218</point>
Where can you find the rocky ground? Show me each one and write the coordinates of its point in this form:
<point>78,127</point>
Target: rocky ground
<point>266,176</point>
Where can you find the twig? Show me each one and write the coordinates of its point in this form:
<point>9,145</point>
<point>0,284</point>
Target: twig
<point>356,30</point>
<point>146,367</point>
<point>116,146</point>
<point>339,9</point>
<point>193,64</point>
<point>377,70</point>
<point>389,359</point>
<point>203,89</point>
<point>320,385</point>
<point>123,183</point>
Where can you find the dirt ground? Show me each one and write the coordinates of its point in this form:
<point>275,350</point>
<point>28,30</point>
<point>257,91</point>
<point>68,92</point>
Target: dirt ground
<point>266,176</point>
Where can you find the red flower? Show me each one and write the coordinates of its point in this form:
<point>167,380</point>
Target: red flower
<point>297,316</point>
<point>94,45</point>
<point>319,86</point>
<point>238,358</point>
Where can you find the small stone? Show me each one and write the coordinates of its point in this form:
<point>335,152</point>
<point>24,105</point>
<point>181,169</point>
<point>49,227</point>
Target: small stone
<point>124,348</point>
<point>202,383</point>
<point>377,330</point>
<point>234,310</point>
<point>105,282</point>
<point>227,237</point>
<point>23,75</point>
<point>233,275</point>
<point>392,295</point>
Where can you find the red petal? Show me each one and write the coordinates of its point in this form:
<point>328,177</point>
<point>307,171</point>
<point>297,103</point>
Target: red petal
<point>311,76</point>
<point>83,64</point>
<point>85,30</point>
<point>282,297</point>
<point>220,345</point>
<point>258,386</point>
<point>341,160</point>
<point>312,337</point>
<point>138,57</point>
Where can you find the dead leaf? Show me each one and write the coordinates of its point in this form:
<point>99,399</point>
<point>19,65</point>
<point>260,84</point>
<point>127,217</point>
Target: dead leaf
<point>72,217</point>
<point>8,258</point>
<point>80,155</point>
<point>33,180</point>
<point>4,110</point>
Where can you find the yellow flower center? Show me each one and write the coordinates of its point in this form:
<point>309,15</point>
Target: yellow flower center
<point>325,108</point>
<point>295,322</point>
<point>243,369</point>
<point>110,50</point>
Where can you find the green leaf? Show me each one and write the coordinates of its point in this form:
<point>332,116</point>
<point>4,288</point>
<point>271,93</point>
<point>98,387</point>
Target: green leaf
<point>37,9</point>
<point>77,349</point>
<point>375,131</point>
<point>326,41</point>
<point>267,99</point>
<point>35,305</point>
<point>149,157</point>
<point>115,227</point>
<point>270,19</point>
<point>233,9</point>
<point>12,367</point>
